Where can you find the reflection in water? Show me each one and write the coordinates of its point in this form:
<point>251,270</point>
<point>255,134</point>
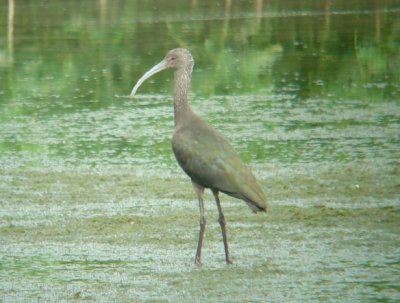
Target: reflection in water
<point>103,11</point>
<point>10,32</point>
<point>319,44</point>
<point>256,62</point>
<point>377,18</point>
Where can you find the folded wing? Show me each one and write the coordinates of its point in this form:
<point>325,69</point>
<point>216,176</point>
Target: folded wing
<point>209,160</point>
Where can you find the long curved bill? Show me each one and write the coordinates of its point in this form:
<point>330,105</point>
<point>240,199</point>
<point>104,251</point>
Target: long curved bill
<point>154,70</point>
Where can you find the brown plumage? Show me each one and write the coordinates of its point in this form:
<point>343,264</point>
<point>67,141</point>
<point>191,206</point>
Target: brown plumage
<point>203,153</point>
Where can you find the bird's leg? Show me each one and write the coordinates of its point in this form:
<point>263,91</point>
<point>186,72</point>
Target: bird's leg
<point>222,223</point>
<point>200,192</point>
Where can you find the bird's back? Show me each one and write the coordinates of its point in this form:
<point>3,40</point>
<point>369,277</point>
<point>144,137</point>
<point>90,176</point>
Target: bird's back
<point>209,160</point>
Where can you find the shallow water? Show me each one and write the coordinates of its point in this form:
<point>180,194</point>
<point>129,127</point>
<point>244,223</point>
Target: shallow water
<point>94,207</point>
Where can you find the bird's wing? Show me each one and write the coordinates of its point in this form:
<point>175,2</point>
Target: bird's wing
<point>209,160</point>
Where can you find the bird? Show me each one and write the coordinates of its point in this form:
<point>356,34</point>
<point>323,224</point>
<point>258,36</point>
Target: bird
<point>203,153</point>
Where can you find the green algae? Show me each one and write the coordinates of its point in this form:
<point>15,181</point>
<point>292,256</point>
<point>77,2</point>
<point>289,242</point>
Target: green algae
<point>93,236</point>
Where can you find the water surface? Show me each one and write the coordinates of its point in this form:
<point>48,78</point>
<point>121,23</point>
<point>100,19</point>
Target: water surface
<point>93,205</point>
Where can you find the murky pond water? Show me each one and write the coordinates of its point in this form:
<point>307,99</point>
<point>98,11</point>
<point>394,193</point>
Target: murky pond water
<point>94,207</point>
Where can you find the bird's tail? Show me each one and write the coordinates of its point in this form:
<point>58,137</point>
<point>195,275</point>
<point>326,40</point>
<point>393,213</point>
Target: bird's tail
<point>256,207</point>
<point>255,197</point>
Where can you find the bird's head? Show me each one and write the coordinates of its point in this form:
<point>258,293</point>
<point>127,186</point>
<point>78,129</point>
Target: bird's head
<point>178,59</point>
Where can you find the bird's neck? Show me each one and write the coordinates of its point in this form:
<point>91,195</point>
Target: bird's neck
<point>182,84</point>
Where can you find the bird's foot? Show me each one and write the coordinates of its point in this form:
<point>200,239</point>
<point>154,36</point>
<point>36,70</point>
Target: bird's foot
<point>197,261</point>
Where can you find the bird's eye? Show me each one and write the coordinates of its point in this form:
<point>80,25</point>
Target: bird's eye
<point>173,58</point>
